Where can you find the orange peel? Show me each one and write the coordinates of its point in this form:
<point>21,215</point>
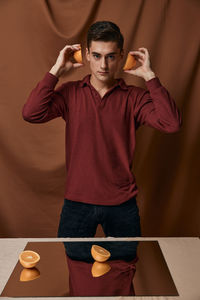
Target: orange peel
<point>78,56</point>
<point>29,274</point>
<point>100,268</point>
<point>130,62</point>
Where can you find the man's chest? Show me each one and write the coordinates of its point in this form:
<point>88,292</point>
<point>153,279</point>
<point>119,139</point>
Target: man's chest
<point>91,110</point>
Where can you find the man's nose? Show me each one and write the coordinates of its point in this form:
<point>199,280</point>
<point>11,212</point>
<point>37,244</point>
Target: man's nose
<point>103,63</point>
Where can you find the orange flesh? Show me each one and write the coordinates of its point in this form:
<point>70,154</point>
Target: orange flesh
<point>101,250</point>
<point>29,256</point>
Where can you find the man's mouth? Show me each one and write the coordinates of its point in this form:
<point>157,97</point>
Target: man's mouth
<point>103,72</point>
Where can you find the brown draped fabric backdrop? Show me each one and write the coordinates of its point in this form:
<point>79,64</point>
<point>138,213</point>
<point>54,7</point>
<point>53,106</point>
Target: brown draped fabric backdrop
<point>32,170</point>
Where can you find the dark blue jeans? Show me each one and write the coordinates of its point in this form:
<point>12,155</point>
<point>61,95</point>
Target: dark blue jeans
<point>81,220</point>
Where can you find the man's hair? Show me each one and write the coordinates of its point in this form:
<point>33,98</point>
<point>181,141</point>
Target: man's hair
<point>105,31</point>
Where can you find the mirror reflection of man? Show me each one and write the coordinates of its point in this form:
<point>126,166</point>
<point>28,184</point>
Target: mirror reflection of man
<point>102,114</point>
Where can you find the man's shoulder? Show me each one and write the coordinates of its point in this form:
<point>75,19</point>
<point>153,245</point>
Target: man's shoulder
<point>76,83</point>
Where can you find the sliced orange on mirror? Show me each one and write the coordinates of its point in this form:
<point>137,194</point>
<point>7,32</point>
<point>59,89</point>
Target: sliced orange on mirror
<point>29,274</point>
<point>130,62</point>
<point>29,258</point>
<point>100,268</point>
<point>99,253</point>
<point>78,56</point>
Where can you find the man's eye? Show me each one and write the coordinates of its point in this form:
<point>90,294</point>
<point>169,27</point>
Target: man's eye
<point>96,55</point>
<point>111,57</point>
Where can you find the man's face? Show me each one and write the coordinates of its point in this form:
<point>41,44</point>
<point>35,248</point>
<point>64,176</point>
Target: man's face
<point>104,58</point>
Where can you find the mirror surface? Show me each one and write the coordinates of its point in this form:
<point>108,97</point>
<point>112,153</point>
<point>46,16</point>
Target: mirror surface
<point>134,268</point>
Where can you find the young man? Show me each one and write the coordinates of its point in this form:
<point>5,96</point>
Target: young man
<point>102,114</point>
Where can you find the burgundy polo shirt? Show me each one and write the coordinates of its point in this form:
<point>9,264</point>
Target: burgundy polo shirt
<point>117,282</point>
<point>100,132</point>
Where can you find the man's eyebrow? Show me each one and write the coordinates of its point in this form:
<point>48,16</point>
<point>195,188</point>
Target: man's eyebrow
<point>93,52</point>
<point>111,53</point>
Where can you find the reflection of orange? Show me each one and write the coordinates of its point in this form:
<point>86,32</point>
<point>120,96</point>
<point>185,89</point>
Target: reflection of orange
<point>99,253</point>
<point>78,56</point>
<point>130,62</point>
<point>29,274</point>
<point>100,268</point>
<point>29,258</point>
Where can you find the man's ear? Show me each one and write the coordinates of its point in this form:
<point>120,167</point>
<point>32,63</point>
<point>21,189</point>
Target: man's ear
<point>87,54</point>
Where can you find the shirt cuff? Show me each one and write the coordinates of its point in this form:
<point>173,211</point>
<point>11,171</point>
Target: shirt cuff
<point>50,79</point>
<point>153,83</point>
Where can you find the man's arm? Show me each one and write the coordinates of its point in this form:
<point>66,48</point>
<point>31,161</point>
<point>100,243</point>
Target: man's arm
<point>154,107</point>
<point>44,102</point>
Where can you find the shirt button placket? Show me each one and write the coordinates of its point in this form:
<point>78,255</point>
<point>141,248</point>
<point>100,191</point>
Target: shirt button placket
<point>98,98</point>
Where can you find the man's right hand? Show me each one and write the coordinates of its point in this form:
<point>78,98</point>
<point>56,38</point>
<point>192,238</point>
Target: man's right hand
<point>64,61</point>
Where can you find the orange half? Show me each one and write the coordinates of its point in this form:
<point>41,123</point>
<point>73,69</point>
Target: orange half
<point>78,56</point>
<point>100,268</point>
<point>130,62</point>
<point>99,253</point>
<point>29,258</point>
<point>29,274</point>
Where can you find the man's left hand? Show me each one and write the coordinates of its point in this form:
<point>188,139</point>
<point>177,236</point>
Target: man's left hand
<point>144,70</point>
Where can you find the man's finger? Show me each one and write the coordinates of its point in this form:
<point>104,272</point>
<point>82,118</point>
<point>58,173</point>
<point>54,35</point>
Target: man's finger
<point>76,47</point>
<point>136,52</point>
<point>77,65</point>
<point>66,47</point>
<point>72,47</point>
<point>140,60</point>
<point>144,50</point>
<point>132,72</point>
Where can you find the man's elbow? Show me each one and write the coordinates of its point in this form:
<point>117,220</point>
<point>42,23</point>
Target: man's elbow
<point>29,116</point>
<point>175,126</point>
<point>32,116</point>
<point>26,115</point>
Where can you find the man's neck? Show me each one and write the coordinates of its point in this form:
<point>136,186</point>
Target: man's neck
<point>101,85</point>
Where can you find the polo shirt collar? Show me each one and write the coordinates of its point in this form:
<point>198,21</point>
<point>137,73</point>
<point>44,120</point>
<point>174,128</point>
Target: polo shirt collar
<point>120,82</point>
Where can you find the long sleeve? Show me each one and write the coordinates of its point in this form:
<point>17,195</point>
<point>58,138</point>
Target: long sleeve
<point>156,108</point>
<point>44,103</point>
